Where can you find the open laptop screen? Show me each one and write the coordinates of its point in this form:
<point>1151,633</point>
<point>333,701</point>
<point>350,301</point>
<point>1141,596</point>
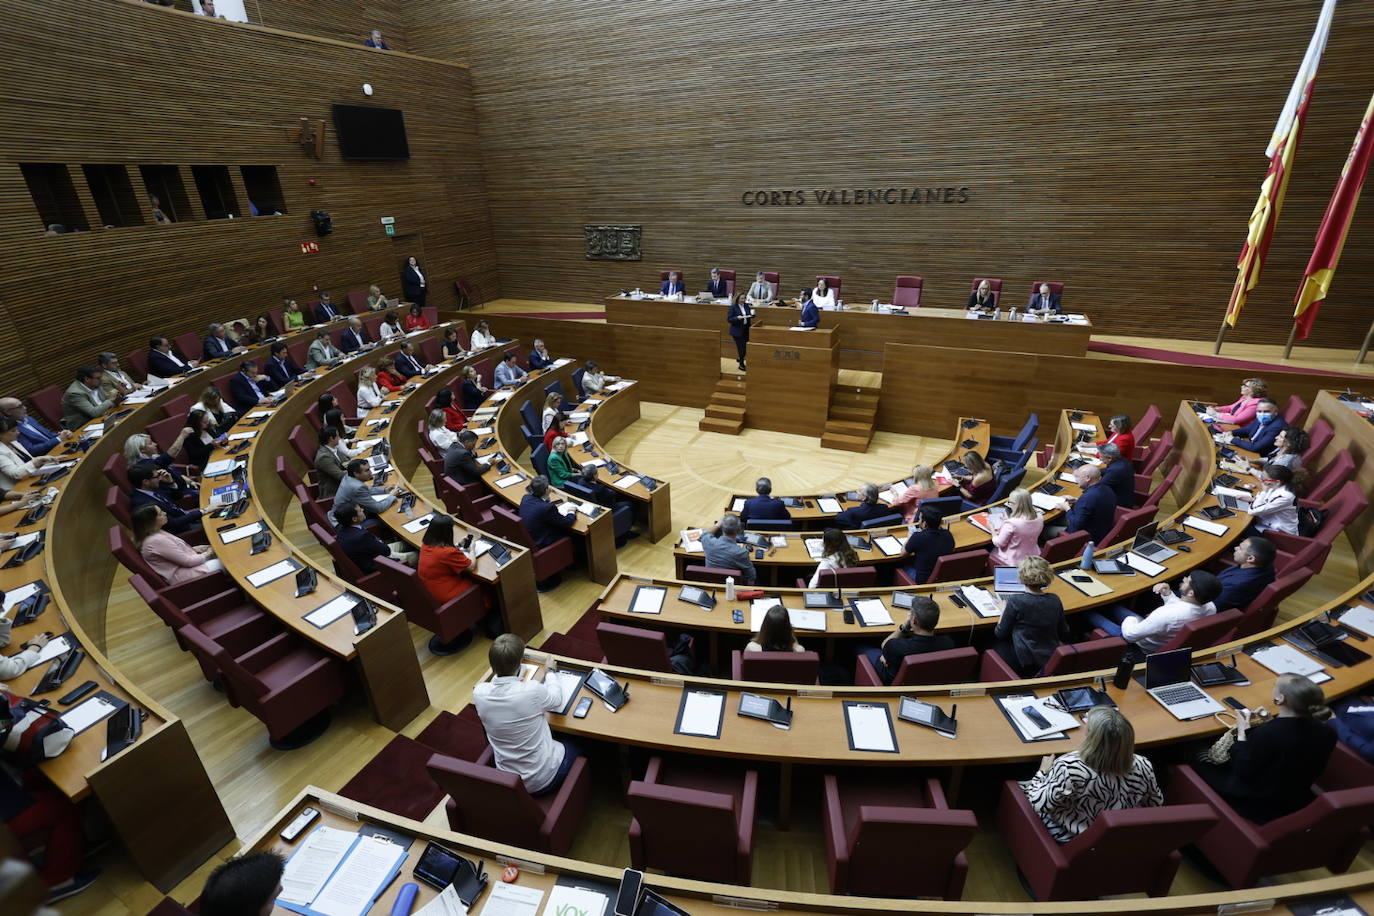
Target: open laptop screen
<point>1165,668</point>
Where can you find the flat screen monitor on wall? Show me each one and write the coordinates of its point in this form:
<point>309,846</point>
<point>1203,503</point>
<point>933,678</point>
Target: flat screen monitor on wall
<point>371,133</point>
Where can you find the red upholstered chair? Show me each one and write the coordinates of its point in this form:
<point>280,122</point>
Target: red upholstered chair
<point>373,324</point>
<point>1128,522</point>
<point>288,685</point>
<point>355,301</point>
<point>431,314</point>
<point>1294,409</point>
<point>872,823</point>
<point>854,577</point>
<point>1055,286</point>
<point>123,549</point>
<point>278,317</point>
<point>1319,436</point>
<point>117,502</point>
<point>949,666</point>
<point>435,465</point>
<point>773,277</point>
<point>775,667</point>
<point>116,469</point>
<point>1327,833</point>
<point>494,804</point>
<point>712,804</point>
<point>1127,851</point>
<point>372,583</point>
<point>315,511</point>
<point>663,277</point>
<point>1260,614</point>
<point>729,277</point>
<point>1330,478</point>
<point>48,403</point>
<point>548,561</point>
<point>634,647</point>
<point>715,574</point>
<point>189,344</point>
<point>907,292</point>
<point>832,281</point>
<point>1145,427</point>
<point>1157,453</point>
<point>1064,547</point>
<point>137,364</point>
<point>165,431</point>
<point>214,606</point>
<point>994,284</point>
<point>473,502</point>
<point>955,566</point>
<point>1149,499</point>
<point>1205,632</point>
<point>431,351</point>
<point>1069,658</point>
<point>1341,510</point>
<point>299,352</point>
<point>179,406</point>
<point>450,621</point>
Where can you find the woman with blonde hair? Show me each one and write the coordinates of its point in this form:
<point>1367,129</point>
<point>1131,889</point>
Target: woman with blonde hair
<point>922,486</point>
<point>1273,765</point>
<point>836,553</point>
<point>376,301</point>
<point>562,467</point>
<point>1032,624</point>
<point>473,391</point>
<point>552,404</point>
<point>1018,536</point>
<point>1242,411</point>
<point>222,416</point>
<point>293,316</point>
<point>978,487</point>
<point>1105,774</point>
<point>440,436</point>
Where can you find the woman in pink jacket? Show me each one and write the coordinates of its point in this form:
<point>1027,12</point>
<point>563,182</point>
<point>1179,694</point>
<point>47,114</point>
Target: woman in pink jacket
<point>1018,536</point>
<point>170,557</point>
<point>923,486</point>
<point>1243,410</point>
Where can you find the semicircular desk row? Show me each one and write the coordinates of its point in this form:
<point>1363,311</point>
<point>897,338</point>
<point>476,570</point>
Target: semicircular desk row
<point>70,577</point>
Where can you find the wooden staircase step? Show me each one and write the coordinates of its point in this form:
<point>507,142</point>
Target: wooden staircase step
<point>725,412</point>
<point>717,425</point>
<point>734,399</point>
<point>855,414</point>
<point>849,428</point>
<point>844,442</point>
<point>731,384</point>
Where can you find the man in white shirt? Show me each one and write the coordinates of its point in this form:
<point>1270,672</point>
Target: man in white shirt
<point>1152,633</point>
<point>512,713</point>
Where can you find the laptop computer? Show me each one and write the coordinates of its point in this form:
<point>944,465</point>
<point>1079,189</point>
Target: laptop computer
<point>1146,546</point>
<point>1005,581</point>
<point>1169,679</point>
<point>1234,502</point>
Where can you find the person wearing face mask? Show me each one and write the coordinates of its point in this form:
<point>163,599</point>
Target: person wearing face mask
<point>1259,434</point>
<point>1275,507</point>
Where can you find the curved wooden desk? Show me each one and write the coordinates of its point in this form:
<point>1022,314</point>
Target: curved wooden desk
<point>970,435</point>
<point>702,898</point>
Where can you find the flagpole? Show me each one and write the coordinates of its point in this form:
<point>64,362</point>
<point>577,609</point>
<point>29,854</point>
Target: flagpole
<point>1292,335</point>
<point>1221,335</point>
<point>1364,347</point>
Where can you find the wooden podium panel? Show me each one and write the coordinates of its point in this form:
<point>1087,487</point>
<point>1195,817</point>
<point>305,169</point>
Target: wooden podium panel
<point>787,387</point>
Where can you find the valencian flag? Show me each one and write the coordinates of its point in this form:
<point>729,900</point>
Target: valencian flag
<point>1283,146</point>
<point>1326,252</point>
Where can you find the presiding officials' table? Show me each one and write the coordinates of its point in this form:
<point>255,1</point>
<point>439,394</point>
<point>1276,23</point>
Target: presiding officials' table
<point>864,333</point>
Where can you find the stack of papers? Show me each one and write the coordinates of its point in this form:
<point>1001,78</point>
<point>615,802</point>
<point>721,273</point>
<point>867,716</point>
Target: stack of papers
<point>1045,502</point>
<point>1358,618</point>
<point>691,541</point>
<point>813,546</point>
<point>1288,660</point>
<point>1202,524</point>
<point>872,612</point>
<point>345,880</point>
<point>983,603</point>
<point>628,481</point>
<point>331,611</point>
<point>1015,706</point>
<point>1084,427</point>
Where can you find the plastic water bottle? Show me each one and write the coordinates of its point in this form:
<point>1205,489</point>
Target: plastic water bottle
<point>1011,316</point>
<point>729,588</point>
<point>875,306</point>
<point>1087,556</point>
<point>997,314</point>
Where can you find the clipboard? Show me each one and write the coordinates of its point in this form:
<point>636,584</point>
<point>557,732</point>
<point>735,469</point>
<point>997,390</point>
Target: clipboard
<point>851,707</point>
<point>687,694</point>
<point>1001,701</point>
<point>648,599</point>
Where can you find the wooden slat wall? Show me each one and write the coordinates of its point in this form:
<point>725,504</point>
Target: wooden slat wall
<point>345,20</point>
<point>927,389</point>
<point>113,82</point>
<point>1116,147</point>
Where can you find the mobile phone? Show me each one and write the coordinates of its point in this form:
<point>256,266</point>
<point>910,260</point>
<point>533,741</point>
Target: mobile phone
<point>759,553</point>
<point>1030,712</point>
<point>583,705</point>
<point>225,527</point>
<point>78,693</point>
<point>737,615</point>
<point>1234,703</point>
<point>628,899</point>
<point>849,616</point>
<point>303,820</point>
<point>1081,578</point>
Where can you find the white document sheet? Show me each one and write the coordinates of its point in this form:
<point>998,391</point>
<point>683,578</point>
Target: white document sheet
<point>873,612</point>
<point>79,718</point>
<point>510,480</point>
<point>1359,618</point>
<point>737,505</point>
<point>1140,564</point>
<point>359,878</point>
<point>241,532</point>
<point>828,505</point>
<point>420,524</point>
<point>1060,722</point>
<point>1085,427</point>
<point>871,727</point>
<point>271,573</point>
<point>16,595</point>
<point>511,900</point>
<point>814,547</point>
<point>331,611</point>
<point>1287,660</point>
<point>446,904</point>
<point>700,716</point>
<point>648,600</point>
<point>482,431</point>
<point>22,541</point>
<point>889,545</point>
<point>311,865</point>
<point>1045,502</point>
<point>247,434</point>
<point>628,481</point>
<point>806,619</point>
<point>984,604</point>
<point>258,413</point>
<point>1202,524</point>
<point>52,650</point>
<point>218,467</point>
<point>565,681</point>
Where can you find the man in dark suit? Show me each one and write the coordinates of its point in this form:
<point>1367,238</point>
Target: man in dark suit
<point>164,363</point>
<point>810,315</point>
<point>1254,570</point>
<point>217,346</point>
<point>1259,434</point>
<point>740,317</point>
<point>376,41</point>
<point>460,463</point>
<point>280,367</point>
<point>36,438</point>
<point>407,366</point>
<point>870,508</point>
<point>717,286</point>
<point>325,310</point>
<point>1044,301</point>
<point>622,512</point>
<point>673,285</point>
<point>541,518</point>
<point>147,482</point>
<point>362,546</point>
<point>1095,510</point>
<point>354,337</point>
<point>1119,474</point>
<point>763,506</point>
<point>248,387</point>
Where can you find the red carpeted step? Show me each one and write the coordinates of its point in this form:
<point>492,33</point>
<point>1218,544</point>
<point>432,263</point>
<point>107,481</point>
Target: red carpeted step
<point>396,780</point>
<point>585,628</point>
<point>460,736</point>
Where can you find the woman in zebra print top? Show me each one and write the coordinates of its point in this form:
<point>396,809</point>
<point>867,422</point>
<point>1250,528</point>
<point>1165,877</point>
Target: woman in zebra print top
<point>1104,775</point>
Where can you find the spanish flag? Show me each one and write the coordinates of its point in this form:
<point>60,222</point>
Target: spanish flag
<point>1326,251</point>
<point>1283,147</point>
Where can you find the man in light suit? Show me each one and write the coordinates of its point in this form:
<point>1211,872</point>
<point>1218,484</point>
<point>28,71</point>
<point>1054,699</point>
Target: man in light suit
<point>322,352</point>
<point>329,467</point>
<point>217,345</point>
<point>249,388</point>
<point>324,309</point>
<point>740,317</point>
<point>83,401</point>
<point>280,369</point>
<point>163,362</point>
<point>355,337</point>
<point>507,372</point>
<point>36,438</point>
<point>1044,301</point>
<point>761,293</point>
<point>673,285</point>
<point>114,379</point>
<point>717,285</point>
<point>406,363</point>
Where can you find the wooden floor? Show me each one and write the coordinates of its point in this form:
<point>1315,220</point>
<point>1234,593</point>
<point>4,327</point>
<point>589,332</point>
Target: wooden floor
<point>254,781</point>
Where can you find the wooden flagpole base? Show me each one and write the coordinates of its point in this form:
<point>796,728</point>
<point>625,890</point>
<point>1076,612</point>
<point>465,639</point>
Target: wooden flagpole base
<point>1364,347</point>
